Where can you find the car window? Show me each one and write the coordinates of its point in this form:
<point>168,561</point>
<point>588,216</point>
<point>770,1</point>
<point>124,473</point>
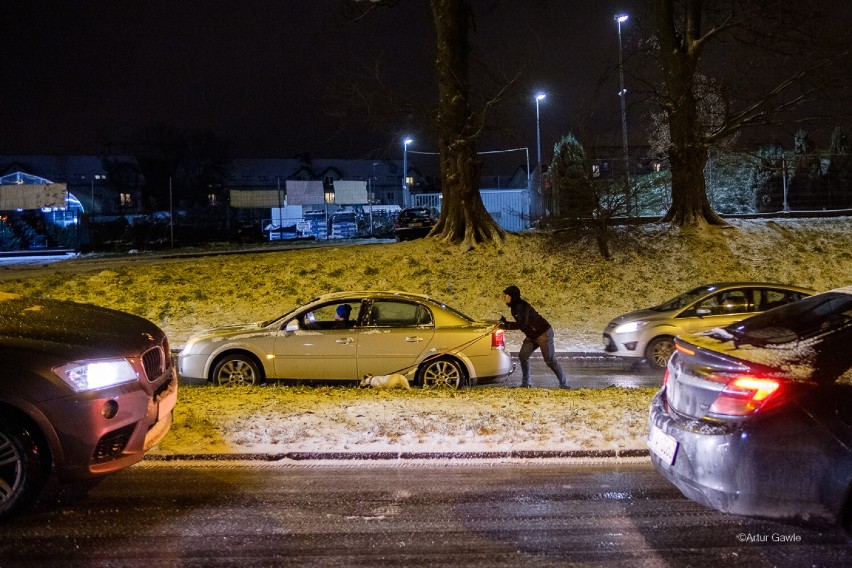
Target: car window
<point>768,298</point>
<point>728,302</point>
<point>398,314</point>
<point>326,316</point>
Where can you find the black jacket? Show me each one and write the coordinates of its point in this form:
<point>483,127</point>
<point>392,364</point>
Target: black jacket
<point>527,319</point>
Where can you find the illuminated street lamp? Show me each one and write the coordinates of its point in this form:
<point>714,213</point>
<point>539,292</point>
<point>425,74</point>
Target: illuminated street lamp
<point>405,192</point>
<point>538,98</point>
<point>622,93</point>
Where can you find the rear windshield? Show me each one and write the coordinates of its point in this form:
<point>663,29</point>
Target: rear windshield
<point>793,322</point>
<point>415,214</point>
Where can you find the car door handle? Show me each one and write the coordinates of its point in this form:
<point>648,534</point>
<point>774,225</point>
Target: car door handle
<point>413,339</point>
<point>345,341</point>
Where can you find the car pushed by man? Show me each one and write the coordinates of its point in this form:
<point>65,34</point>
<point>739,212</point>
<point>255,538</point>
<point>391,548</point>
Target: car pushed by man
<point>347,335</point>
<point>85,391</point>
<point>755,418</point>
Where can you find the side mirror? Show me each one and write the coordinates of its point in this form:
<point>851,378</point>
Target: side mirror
<point>292,325</point>
<point>701,312</point>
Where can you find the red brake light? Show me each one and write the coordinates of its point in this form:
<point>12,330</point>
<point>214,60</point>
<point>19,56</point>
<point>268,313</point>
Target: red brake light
<point>744,395</point>
<point>498,339</point>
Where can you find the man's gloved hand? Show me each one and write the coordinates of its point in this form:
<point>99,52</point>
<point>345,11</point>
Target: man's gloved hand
<point>503,321</point>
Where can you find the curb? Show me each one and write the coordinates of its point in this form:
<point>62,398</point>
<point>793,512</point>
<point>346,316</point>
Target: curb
<point>376,456</point>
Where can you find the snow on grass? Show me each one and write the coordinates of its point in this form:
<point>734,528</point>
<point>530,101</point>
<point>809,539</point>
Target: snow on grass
<point>562,276</point>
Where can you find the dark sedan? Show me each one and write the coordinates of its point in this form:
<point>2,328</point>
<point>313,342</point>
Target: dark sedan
<point>755,419</point>
<point>84,391</point>
<point>413,223</point>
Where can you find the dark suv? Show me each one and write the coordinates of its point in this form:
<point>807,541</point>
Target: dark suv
<point>413,223</point>
<point>84,391</point>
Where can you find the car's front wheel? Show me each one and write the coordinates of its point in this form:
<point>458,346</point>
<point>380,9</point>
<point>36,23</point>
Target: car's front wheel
<point>23,470</point>
<point>237,370</point>
<point>659,351</point>
<point>443,372</point>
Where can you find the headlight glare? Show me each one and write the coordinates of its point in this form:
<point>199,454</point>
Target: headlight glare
<point>92,375</point>
<point>629,327</point>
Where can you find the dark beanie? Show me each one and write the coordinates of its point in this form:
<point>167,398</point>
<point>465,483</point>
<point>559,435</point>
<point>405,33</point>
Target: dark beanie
<point>513,292</point>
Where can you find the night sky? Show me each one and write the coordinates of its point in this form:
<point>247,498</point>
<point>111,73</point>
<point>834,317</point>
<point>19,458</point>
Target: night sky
<point>268,75</point>
<point>273,77</point>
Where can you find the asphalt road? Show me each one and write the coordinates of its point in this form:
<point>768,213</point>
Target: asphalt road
<point>488,514</point>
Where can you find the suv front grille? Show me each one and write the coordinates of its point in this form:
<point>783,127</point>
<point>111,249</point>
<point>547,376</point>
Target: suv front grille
<point>154,362</point>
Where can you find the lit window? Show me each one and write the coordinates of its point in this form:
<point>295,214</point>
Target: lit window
<point>125,199</point>
<point>211,199</point>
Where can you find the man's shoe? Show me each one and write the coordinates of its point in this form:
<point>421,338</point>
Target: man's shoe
<point>567,387</point>
<point>524,386</point>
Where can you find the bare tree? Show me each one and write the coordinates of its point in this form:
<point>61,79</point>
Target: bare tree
<point>463,219</point>
<point>764,44</point>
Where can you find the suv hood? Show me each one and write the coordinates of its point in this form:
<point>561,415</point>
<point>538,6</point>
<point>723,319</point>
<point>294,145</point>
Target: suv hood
<point>59,328</point>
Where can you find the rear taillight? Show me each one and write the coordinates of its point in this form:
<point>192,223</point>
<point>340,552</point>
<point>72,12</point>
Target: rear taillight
<point>745,395</point>
<point>498,340</point>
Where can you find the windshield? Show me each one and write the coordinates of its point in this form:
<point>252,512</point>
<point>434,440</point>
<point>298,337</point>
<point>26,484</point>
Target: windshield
<point>799,320</point>
<point>684,299</point>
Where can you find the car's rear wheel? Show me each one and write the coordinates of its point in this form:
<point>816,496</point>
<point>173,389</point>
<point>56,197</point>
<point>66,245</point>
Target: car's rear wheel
<point>237,370</point>
<point>444,372</point>
<point>659,351</point>
<point>23,471</point>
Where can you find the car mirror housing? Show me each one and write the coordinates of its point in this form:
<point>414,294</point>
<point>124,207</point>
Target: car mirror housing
<point>292,325</point>
<point>701,312</point>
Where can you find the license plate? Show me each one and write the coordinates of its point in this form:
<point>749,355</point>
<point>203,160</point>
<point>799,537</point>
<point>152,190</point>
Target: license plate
<point>663,445</point>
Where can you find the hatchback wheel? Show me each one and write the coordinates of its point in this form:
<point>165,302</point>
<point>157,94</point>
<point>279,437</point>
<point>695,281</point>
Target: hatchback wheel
<point>442,373</point>
<point>236,370</point>
<point>22,470</point>
<point>659,351</point>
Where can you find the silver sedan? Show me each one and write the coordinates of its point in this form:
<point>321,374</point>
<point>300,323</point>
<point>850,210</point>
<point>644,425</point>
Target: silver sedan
<point>346,335</point>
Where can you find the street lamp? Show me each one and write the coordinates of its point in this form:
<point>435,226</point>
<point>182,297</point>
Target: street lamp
<point>405,193</point>
<point>538,98</point>
<point>622,93</point>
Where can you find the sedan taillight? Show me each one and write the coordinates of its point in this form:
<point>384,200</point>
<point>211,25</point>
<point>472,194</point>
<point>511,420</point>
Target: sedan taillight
<point>745,395</point>
<point>498,339</point>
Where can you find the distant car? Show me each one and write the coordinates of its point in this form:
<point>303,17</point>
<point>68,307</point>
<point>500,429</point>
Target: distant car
<point>650,333</point>
<point>387,332</point>
<point>84,391</point>
<point>414,222</point>
<point>756,419</point>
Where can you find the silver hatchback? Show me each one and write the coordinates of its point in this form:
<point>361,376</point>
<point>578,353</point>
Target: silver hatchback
<point>650,333</point>
<point>347,335</point>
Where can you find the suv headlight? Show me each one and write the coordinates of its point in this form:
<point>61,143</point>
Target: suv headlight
<point>92,375</point>
<point>629,327</point>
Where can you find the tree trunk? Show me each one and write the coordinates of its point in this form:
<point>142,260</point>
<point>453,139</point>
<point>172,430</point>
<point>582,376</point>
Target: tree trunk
<point>690,205</point>
<point>463,218</point>
<point>680,51</point>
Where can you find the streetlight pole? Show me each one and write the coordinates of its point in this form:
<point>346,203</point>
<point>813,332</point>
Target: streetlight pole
<point>622,94</point>
<point>538,98</point>
<point>405,192</point>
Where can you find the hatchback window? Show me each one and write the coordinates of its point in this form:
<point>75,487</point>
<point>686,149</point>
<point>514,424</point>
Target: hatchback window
<point>398,314</point>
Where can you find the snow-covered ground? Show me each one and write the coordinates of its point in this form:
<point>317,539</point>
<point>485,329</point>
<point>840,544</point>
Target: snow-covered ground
<point>563,277</point>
